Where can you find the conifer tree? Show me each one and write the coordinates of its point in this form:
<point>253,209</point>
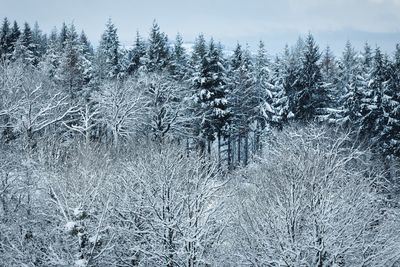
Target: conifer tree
<point>390,136</point>
<point>25,48</point>
<point>107,62</point>
<point>158,54</point>
<point>349,88</point>
<point>40,41</point>
<point>63,35</point>
<point>137,56</point>
<point>280,100</point>
<point>51,59</point>
<point>198,54</point>
<point>70,70</point>
<point>371,102</point>
<point>179,59</point>
<point>311,97</point>
<point>6,46</point>
<point>14,35</point>
<point>211,93</point>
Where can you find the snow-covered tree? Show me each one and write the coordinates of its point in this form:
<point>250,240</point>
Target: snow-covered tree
<point>297,205</point>
<point>371,102</point>
<point>349,88</point>
<point>120,108</point>
<point>25,48</point>
<point>6,45</point>
<point>107,59</point>
<point>211,93</point>
<point>390,137</point>
<point>179,60</point>
<point>158,52</point>
<point>182,198</point>
<point>311,97</point>
<point>137,56</point>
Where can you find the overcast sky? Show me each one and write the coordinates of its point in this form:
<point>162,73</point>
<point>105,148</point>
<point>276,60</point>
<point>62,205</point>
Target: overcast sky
<point>277,22</point>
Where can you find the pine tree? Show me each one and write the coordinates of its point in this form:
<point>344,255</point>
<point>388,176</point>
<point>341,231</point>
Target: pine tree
<point>107,65</point>
<point>15,33</point>
<point>390,136</point>
<point>280,100</point>
<point>69,71</point>
<point>24,48</point>
<point>291,66</point>
<point>137,56</point>
<point>246,100</point>
<point>198,54</point>
<point>262,72</point>
<point>86,64</point>
<point>40,42</point>
<point>179,61</point>
<point>329,83</point>
<point>371,102</point>
<point>349,88</point>
<point>74,72</point>
<point>51,59</point>
<point>158,53</point>
<point>87,48</point>
<point>311,97</point>
<point>6,45</point>
<point>211,95</point>
<point>63,35</point>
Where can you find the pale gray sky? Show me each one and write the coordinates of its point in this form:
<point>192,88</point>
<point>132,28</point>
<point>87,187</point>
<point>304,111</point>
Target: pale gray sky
<point>276,22</point>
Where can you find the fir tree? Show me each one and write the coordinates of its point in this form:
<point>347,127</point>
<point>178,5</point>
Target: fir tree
<point>311,97</point>
<point>390,136</point>
<point>280,101</point>
<point>198,54</point>
<point>371,103</point>
<point>137,56</point>
<point>51,59</point>
<point>63,35</point>
<point>349,88</point>
<point>158,53</point>
<point>108,54</point>
<point>40,42</point>
<point>15,33</point>
<point>179,60</point>
<point>211,94</point>
<point>6,44</point>
<point>24,48</point>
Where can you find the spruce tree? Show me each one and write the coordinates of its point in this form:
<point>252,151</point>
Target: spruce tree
<point>107,62</point>
<point>390,135</point>
<point>6,45</point>
<point>349,88</point>
<point>179,61</point>
<point>211,94</point>
<point>40,41</point>
<point>280,100</point>
<point>14,35</point>
<point>158,53</point>
<point>311,96</point>
<point>371,102</point>
<point>24,48</point>
<point>137,56</point>
<point>51,59</point>
<point>63,35</point>
<point>70,72</point>
<point>198,54</point>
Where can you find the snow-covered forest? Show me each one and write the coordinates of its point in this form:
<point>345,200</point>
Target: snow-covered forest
<point>160,155</point>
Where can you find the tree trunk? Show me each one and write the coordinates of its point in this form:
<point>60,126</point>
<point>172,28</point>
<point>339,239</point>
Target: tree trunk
<point>229,152</point>
<point>238,149</point>
<point>246,149</point>
<point>219,150</point>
